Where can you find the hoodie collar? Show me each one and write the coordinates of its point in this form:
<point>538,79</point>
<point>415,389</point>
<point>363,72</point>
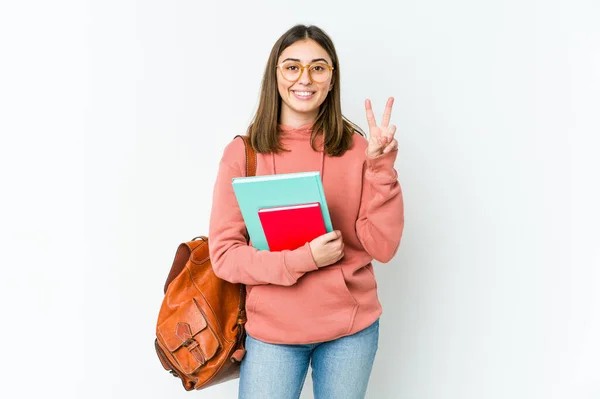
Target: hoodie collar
<point>303,133</point>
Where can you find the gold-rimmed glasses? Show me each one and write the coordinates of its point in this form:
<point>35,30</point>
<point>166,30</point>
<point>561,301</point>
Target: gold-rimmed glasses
<point>318,72</point>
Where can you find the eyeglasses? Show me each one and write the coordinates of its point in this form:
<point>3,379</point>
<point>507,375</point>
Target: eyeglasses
<point>318,72</point>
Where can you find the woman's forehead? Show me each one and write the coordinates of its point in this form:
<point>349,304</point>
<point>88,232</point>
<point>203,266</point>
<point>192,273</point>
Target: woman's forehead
<point>306,51</point>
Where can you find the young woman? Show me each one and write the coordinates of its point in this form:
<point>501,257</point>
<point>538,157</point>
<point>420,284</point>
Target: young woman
<point>317,304</point>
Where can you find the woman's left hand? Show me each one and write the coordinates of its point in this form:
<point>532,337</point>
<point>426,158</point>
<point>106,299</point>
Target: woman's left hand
<point>381,138</point>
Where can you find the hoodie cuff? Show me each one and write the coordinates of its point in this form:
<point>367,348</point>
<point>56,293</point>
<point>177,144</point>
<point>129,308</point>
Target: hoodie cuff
<point>382,166</point>
<point>299,261</point>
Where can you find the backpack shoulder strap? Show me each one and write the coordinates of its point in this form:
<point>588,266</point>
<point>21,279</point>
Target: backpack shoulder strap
<point>251,162</point>
<point>250,156</point>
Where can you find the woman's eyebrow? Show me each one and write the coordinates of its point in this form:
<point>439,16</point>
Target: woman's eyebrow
<point>315,60</point>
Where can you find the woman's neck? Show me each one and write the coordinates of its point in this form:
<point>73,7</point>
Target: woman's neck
<point>297,119</point>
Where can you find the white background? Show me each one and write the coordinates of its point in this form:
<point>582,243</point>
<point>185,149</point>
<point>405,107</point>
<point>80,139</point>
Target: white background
<point>114,115</point>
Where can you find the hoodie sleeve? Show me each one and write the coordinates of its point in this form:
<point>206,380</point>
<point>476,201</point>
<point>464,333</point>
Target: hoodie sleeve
<point>232,258</point>
<point>381,216</point>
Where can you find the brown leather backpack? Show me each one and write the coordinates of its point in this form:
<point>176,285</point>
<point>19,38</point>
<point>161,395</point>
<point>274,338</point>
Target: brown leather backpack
<point>200,329</point>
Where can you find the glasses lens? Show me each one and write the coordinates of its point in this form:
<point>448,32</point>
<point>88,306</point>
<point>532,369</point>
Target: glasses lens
<point>291,70</point>
<point>319,72</point>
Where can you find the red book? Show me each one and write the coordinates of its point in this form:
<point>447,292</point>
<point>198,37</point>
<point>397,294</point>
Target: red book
<point>291,226</point>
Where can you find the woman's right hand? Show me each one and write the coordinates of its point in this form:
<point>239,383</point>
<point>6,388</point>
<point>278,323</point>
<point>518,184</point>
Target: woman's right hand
<point>328,248</point>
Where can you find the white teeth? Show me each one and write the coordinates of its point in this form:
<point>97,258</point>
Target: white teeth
<point>304,93</point>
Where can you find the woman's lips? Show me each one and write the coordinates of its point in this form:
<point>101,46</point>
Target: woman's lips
<point>299,94</point>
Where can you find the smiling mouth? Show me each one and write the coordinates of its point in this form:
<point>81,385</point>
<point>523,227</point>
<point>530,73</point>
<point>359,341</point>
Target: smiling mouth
<point>303,95</point>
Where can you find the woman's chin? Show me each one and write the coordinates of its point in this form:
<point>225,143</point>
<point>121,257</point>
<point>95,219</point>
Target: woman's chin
<point>305,108</point>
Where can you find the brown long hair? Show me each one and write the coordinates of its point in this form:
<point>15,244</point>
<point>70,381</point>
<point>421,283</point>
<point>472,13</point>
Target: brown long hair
<point>263,131</point>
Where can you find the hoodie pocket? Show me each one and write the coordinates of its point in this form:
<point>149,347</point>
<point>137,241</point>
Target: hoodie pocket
<point>318,307</point>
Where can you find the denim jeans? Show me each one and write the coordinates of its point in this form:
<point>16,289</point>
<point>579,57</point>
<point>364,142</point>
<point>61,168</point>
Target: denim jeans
<point>340,368</point>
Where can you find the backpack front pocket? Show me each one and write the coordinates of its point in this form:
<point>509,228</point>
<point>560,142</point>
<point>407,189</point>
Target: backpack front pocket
<point>188,337</point>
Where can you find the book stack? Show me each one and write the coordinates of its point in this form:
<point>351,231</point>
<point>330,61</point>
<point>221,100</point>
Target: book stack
<point>284,211</point>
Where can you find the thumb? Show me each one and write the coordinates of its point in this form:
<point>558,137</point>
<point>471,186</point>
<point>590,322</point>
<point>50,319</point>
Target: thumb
<point>331,236</point>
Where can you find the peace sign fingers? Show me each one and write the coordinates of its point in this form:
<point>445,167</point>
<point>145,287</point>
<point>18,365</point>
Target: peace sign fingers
<point>388,112</point>
<point>370,115</point>
<point>381,138</point>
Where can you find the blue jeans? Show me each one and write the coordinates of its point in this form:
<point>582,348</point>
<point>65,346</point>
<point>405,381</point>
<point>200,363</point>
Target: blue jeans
<point>340,368</point>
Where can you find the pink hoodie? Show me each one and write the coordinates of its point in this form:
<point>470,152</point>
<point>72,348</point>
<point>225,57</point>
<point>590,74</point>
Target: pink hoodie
<point>289,299</point>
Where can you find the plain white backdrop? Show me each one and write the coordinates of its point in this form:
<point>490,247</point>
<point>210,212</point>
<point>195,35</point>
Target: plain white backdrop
<point>114,115</point>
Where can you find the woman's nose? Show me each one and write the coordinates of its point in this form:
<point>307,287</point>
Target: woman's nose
<point>304,77</point>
